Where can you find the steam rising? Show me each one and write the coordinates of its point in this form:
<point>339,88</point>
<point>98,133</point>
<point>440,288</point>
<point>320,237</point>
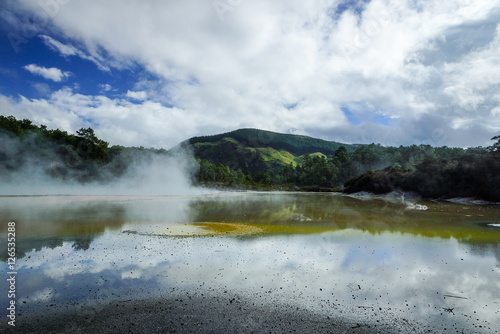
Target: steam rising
<point>25,170</point>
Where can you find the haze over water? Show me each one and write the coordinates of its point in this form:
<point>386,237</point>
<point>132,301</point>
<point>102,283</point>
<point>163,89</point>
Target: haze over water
<point>371,260</point>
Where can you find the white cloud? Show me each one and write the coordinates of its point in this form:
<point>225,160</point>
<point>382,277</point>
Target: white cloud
<point>52,73</point>
<point>41,88</point>
<point>117,121</point>
<point>409,62</point>
<point>65,50</point>
<point>106,87</point>
<point>69,50</point>
<point>139,95</point>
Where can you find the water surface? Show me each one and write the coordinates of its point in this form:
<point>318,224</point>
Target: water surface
<point>331,254</point>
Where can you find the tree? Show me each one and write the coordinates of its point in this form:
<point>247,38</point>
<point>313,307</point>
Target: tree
<point>495,148</point>
<point>26,125</point>
<point>341,155</point>
<point>92,146</point>
<point>88,134</point>
<point>306,164</point>
<point>288,173</point>
<point>223,174</point>
<point>10,124</point>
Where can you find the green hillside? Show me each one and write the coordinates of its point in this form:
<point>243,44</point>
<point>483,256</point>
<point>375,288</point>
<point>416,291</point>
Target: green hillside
<point>248,156</point>
<point>257,151</point>
<point>295,144</point>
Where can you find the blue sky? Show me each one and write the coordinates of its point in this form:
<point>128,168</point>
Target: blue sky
<point>22,82</point>
<point>154,73</point>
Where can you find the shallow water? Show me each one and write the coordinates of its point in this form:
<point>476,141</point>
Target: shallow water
<point>434,263</point>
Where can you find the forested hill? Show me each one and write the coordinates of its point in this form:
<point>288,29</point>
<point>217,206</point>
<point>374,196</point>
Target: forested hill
<point>295,144</point>
<point>261,155</point>
<point>249,157</point>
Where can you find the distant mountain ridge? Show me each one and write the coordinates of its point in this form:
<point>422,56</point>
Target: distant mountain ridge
<point>256,151</point>
<point>295,144</point>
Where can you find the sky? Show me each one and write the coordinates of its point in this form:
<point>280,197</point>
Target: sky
<point>156,72</point>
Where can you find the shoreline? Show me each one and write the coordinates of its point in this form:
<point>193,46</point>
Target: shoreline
<point>394,196</point>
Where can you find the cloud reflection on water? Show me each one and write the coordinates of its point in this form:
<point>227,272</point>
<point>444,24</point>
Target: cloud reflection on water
<point>387,272</point>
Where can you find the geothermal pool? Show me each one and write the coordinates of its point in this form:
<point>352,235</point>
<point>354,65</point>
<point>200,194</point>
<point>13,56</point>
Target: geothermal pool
<point>368,261</point>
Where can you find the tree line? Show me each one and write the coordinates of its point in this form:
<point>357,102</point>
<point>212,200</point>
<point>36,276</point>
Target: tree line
<point>473,172</point>
<point>319,170</point>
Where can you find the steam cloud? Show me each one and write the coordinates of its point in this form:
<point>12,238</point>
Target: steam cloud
<point>27,170</point>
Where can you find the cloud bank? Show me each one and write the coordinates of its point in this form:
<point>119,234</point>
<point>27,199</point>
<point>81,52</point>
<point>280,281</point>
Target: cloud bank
<point>361,71</point>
